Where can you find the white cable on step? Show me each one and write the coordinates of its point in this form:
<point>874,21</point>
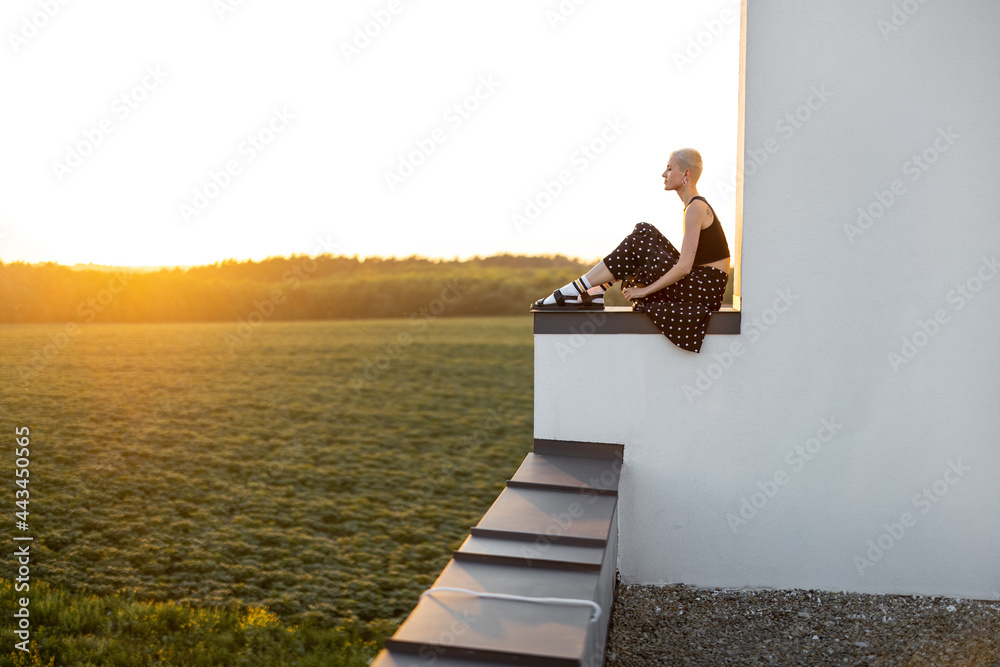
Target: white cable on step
<point>521,598</point>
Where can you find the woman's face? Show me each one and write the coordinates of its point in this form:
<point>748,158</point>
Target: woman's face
<point>673,175</point>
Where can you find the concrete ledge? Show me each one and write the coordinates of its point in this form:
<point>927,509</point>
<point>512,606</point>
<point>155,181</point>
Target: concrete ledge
<point>621,320</point>
<point>596,450</point>
<point>553,536</point>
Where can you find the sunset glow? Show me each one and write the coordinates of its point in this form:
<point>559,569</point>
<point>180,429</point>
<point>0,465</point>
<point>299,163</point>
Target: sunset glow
<point>200,132</point>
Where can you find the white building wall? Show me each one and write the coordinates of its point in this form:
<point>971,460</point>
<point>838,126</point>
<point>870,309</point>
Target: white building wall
<point>898,488</point>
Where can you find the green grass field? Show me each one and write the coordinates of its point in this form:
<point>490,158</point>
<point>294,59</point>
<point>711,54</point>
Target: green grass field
<point>201,494</point>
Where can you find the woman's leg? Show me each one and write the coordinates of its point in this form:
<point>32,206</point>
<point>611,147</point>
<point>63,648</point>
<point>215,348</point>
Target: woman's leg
<point>571,291</point>
<point>642,252</point>
<point>599,274</point>
<point>630,255</point>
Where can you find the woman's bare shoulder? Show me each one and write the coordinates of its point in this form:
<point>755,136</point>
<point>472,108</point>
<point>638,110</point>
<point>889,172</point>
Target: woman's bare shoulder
<point>698,211</point>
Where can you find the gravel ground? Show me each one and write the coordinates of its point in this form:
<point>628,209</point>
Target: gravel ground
<point>681,625</point>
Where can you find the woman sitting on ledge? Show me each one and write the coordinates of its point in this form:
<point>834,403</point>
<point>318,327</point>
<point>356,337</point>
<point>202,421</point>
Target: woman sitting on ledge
<point>678,290</point>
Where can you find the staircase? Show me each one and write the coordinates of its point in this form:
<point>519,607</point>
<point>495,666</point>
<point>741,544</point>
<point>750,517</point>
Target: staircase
<point>547,550</point>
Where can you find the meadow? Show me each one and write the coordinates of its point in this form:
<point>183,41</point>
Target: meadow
<point>274,496</point>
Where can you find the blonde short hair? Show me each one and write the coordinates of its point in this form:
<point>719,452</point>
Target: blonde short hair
<point>689,158</point>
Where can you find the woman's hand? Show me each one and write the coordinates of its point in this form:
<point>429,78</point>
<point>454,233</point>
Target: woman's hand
<point>632,293</point>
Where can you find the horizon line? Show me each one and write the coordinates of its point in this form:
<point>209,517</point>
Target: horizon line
<point>156,267</point>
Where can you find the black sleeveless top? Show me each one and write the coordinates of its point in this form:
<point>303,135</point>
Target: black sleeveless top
<point>712,244</point>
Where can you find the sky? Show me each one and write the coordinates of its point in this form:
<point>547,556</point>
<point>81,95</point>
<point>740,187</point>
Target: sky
<point>183,133</point>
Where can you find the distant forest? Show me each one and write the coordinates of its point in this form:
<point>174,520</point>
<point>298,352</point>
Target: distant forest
<point>286,288</point>
<point>282,288</point>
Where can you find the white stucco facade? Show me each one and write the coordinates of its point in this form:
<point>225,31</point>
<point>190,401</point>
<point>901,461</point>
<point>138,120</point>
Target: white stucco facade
<point>847,439</point>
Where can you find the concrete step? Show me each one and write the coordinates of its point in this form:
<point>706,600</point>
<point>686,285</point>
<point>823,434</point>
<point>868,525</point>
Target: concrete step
<point>528,554</point>
<point>568,473</point>
<point>552,532</point>
<point>548,517</point>
<point>461,626</point>
<point>597,450</point>
<point>430,657</point>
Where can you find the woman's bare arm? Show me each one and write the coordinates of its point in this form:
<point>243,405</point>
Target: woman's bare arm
<point>695,215</point>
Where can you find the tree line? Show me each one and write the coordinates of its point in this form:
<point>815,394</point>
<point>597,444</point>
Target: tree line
<point>299,287</point>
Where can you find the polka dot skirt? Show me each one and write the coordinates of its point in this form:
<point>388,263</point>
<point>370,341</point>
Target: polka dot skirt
<point>682,310</point>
